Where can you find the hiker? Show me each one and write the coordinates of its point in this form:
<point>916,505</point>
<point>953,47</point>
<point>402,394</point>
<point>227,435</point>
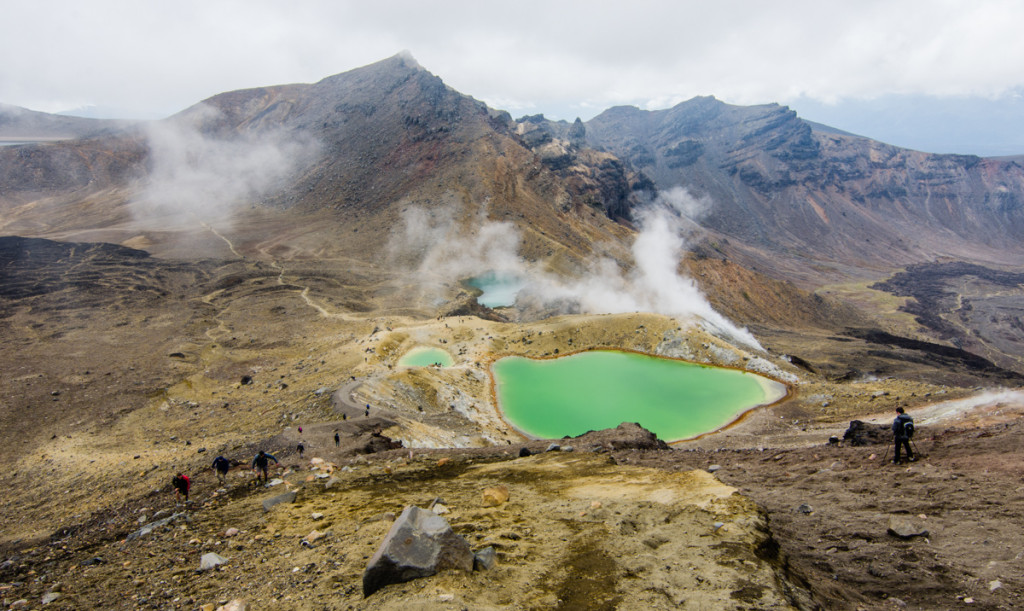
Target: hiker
<point>301,449</point>
<point>902,429</point>
<point>367,415</point>
<point>221,466</point>
<point>300,430</point>
<point>181,484</point>
<point>337,439</point>
<point>260,463</point>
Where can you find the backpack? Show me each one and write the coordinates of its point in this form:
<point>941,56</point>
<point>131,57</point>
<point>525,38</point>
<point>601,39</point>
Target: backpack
<point>908,429</point>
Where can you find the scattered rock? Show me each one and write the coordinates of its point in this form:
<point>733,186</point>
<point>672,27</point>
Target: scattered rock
<point>713,468</point>
<point>524,452</point>
<point>235,605</point>
<point>287,497</point>
<point>419,544</point>
<point>805,509</point>
<point>231,532</point>
<point>211,560</point>
<point>49,597</point>
<point>994,585</point>
<point>485,559</point>
<point>316,516</point>
<point>554,447</point>
<point>905,528</point>
<point>313,537</point>
<point>497,495</point>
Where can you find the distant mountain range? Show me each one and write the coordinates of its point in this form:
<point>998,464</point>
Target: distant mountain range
<point>793,200</point>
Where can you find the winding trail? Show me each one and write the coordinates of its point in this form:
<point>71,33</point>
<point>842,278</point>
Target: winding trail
<point>231,246</point>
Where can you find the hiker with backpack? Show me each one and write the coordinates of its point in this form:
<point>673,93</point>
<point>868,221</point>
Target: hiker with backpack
<point>902,432</point>
<point>261,462</point>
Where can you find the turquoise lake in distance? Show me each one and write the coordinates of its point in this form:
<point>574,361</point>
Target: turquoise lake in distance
<point>570,395</point>
<point>499,288</point>
<point>425,356</point>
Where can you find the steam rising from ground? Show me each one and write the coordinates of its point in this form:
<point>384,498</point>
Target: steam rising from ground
<point>449,251</point>
<point>195,175</point>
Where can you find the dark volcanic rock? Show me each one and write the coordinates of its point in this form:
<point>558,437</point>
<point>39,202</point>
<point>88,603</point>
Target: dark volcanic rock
<point>861,433</point>
<point>419,544</point>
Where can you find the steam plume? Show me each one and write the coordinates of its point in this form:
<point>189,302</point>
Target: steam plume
<point>194,175</point>
<point>654,284</point>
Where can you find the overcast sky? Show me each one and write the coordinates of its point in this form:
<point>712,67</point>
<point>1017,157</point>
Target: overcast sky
<point>562,59</point>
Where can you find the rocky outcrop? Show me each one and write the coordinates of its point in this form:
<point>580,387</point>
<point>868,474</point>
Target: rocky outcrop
<point>419,544</point>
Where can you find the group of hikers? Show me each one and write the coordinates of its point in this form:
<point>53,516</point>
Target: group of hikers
<point>902,431</point>
<point>182,483</point>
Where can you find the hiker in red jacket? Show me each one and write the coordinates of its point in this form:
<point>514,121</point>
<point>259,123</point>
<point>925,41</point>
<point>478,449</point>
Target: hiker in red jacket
<point>181,484</point>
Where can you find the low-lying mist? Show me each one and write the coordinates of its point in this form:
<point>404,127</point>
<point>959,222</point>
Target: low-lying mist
<point>197,177</point>
<point>441,249</point>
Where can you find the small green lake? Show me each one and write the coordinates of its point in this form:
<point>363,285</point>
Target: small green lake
<point>426,356</point>
<point>499,288</point>
<point>600,389</point>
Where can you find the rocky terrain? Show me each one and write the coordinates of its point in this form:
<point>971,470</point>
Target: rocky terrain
<point>209,284</point>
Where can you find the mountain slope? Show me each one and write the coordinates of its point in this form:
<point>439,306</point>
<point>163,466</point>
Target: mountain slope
<point>837,202</point>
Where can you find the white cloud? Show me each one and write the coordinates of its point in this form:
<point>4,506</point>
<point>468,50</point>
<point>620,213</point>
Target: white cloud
<point>528,56</point>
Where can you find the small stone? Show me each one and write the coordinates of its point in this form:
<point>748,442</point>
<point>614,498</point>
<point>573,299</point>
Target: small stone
<point>492,497</point>
<point>554,447</point>
<point>440,509</point>
<point>969,600</point>
<point>994,585</point>
<point>314,536</point>
<point>718,525</point>
<point>443,461</point>
<point>595,504</point>
<point>235,605</point>
<point>211,560</point>
<point>904,528</point>
<point>713,468</point>
<point>287,497</point>
<point>485,559</point>
<point>231,532</point>
<point>316,516</point>
<point>805,509</point>
<point>49,597</point>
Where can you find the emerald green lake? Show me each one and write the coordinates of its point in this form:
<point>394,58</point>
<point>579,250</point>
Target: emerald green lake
<point>425,356</point>
<point>600,389</point>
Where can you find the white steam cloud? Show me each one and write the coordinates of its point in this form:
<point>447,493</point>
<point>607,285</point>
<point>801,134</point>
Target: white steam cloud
<point>195,176</point>
<point>447,254</point>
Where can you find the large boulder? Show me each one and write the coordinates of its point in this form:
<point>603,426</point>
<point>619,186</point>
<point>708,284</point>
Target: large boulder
<point>862,433</point>
<point>419,544</point>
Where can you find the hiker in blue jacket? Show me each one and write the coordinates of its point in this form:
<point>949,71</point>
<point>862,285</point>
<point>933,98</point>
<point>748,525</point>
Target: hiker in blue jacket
<point>902,429</point>
<point>260,462</point>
